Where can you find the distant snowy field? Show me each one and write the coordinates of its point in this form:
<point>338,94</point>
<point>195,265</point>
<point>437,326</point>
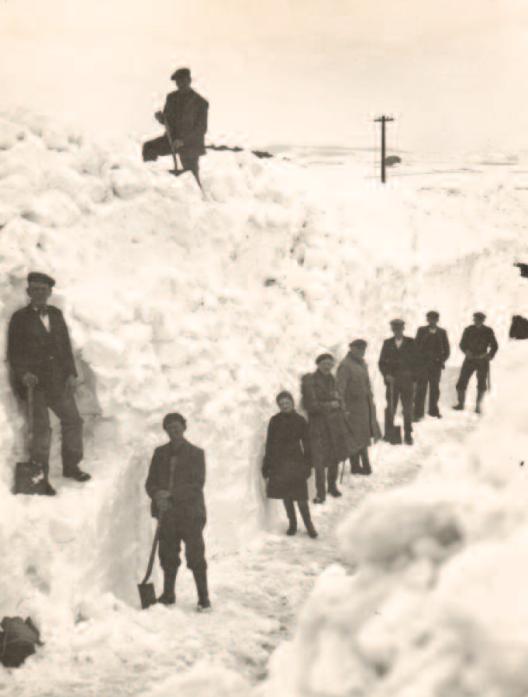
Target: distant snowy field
<point>210,306</point>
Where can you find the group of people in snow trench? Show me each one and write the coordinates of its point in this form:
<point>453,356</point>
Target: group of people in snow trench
<point>341,421</point>
<point>341,412</point>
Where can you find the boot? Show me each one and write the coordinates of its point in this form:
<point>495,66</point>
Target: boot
<point>408,439</point>
<point>307,519</point>
<point>355,467</point>
<point>200,578</point>
<point>290,512</point>
<point>461,399</point>
<point>334,491</point>
<point>168,597</point>
<point>319,499</point>
<point>365,461</point>
<point>480,395</point>
<point>77,474</point>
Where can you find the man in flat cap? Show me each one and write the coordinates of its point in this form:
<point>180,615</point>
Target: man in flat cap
<point>40,357</point>
<point>175,485</point>
<point>479,346</point>
<point>330,438</point>
<point>185,118</point>
<point>432,348</point>
<point>353,383</point>
<point>397,364</point>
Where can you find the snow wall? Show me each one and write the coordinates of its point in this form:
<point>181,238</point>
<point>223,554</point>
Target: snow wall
<point>209,307</point>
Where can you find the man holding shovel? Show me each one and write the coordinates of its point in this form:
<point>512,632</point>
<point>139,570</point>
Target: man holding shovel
<point>41,360</point>
<point>397,364</point>
<point>175,485</point>
<point>185,119</point>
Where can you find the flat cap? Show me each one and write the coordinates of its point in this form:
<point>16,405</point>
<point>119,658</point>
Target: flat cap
<point>181,72</point>
<point>358,343</point>
<point>397,323</point>
<point>433,313</point>
<point>38,277</point>
<point>324,357</point>
<point>479,315</point>
<point>174,416</point>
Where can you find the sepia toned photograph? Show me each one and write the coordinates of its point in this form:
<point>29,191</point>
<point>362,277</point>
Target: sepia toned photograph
<point>264,376</point>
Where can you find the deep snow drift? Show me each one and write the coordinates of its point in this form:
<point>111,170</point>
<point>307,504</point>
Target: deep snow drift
<point>210,307</point>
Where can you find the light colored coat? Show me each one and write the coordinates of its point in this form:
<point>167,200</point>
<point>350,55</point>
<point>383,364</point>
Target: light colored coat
<point>353,383</point>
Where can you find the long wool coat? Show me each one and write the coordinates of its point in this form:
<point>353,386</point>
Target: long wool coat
<point>287,462</point>
<point>353,383</point>
<point>330,436</point>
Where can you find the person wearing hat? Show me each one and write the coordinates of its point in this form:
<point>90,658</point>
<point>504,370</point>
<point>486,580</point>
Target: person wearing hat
<point>287,462</point>
<point>353,383</point>
<point>479,346</point>
<point>330,438</point>
<point>432,348</point>
<point>175,485</point>
<point>185,116</point>
<point>397,364</point>
<point>40,357</point>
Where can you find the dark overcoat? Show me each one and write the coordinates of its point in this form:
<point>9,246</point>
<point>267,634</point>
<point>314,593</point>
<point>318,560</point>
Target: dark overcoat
<point>432,348</point>
<point>32,348</point>
<point>330,437</point>
<point>187,463</point>
<point>287,461</point>
<point>401,363</point>
<point>353,383</point>
<point>186,116</point>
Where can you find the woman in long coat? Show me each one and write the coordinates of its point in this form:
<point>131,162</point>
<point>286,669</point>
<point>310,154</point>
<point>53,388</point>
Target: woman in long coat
<point>287,463</point>
<point>353,383</point>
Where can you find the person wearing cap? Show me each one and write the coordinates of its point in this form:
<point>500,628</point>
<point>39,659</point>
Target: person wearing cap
<point>175,485</point>
<point>185,116</point>
<point>397,364</point>
<point>353,383</point>
<point>432,349</point>
<point>479,346</point>
<point>287,462</point>
<point>40,357</point>
<point>330,438</point>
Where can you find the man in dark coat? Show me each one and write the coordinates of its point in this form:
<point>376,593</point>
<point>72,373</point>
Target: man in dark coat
<point>353,383</point>
<point>175,484</point>
<point>479,346</point>
<point>432,349</point>
<point>185,117</point>
<point>287,462</point>
<point>397,364</point>
<point>40,357</point>
<point>330,438</point>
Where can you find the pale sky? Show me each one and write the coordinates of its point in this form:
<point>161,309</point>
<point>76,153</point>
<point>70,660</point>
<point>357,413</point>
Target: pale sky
<point>453,72</point>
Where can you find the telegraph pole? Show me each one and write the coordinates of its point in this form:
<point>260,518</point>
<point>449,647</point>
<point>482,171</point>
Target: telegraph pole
<point>383,120</point>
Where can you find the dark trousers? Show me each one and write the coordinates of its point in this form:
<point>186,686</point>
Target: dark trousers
<point>402,388</point>
<point>159,147</point>
<point>62,403</point>
<point>304,510</point>
<point>324,475</point>
<point>470,366</point>
<point>173,531</point>
<point>429,376</point>
<point>355,459</point>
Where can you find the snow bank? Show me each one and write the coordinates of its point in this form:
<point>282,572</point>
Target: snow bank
<point>437,604</point>
<point>210,307</point>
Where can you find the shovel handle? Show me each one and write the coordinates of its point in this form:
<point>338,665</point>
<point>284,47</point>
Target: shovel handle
<point>152,554</point>
<point>30,414</point>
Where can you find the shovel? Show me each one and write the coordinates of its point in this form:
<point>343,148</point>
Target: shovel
<point>30,477</point>
<point>393,434</point>
<point>174,171</point>
<point>147,594</point>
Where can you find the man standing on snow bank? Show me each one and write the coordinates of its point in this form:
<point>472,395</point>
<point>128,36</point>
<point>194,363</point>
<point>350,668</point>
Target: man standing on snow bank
<point>432,348</point>
<point>175,484</point>
<point>397,364</point>
<point>185,118</point>
<point>40,356</point>
<point>479,346</point>
<point>330,438</point>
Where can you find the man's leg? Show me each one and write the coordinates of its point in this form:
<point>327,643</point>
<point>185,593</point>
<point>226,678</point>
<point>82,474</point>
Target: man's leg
<point>365,461</point>
<point>320,483</point>
<point>419,400</point>
<point>405,391</point>
<point>169,556</point>
<point>190,163</point>
<point>195,554</point>
<point>292,518</point>
<point>332,472</point>
<point>354,464</point>
<point>307,519</point>
<point>467,370</point>
<point>39,449</point>
<point>65,408</point>
<point>482,382</point>
<point>435,372</point>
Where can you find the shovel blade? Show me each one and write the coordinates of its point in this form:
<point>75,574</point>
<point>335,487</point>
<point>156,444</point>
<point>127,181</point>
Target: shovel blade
<point>147,595</point>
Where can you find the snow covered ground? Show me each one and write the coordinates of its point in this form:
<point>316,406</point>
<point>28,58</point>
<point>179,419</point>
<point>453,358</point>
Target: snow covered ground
<point>210,306</point>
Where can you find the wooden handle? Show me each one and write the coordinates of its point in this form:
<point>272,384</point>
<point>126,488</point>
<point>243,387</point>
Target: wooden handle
<point>31,414</point>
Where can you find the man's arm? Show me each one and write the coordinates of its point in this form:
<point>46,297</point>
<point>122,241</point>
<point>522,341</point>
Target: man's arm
<point>17,347</point>
<point>69,362</point>
<point>152,485</point>
<point>445,345</point>
<point>493,345</point>
<point>309,397</point>
<point>200,123</point>
<point>464,340</point>
<point>342,378</point>
<point>384,362</point>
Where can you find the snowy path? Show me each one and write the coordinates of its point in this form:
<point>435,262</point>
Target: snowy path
<point>256,593</point>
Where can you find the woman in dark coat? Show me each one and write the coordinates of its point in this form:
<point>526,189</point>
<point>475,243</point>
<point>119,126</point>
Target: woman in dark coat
<point>287,463</point>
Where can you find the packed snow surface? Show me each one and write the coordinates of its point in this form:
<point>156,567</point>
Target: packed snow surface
<point>209,305</point>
